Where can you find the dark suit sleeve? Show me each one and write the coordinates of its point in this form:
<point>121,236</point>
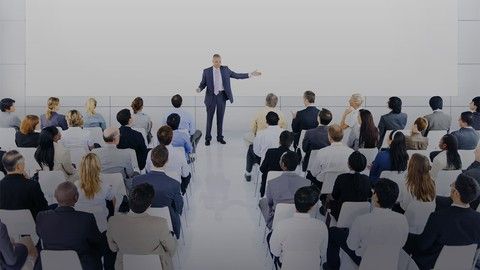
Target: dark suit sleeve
<point>264,166</point>
<point>296,123</point>
<point>203,83</point>
<point>235,75</point>
<point>62,122</point>
<point>6,248</point>
<point>429,235</point>
<point>142,151</point>
<point>94,237</point>
<point>306,145</point>
<point>177,199</point>
<point>38,198</point>
<point>337,188</point>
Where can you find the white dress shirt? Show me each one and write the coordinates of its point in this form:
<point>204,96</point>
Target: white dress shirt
<point>300,242</point>
<point>381,227</point>
<point>333,158</point>
<point>266,139</point>
<point>217,81</point>
<point>416,211</point>
<point>176,166</point>
<point>77,137</point>
<point>96,205</point>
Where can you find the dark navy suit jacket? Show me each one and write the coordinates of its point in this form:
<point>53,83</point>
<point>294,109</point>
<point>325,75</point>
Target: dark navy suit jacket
<point>207,81</point>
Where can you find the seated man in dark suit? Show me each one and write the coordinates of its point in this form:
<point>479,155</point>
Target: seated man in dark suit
<point>456,225</point>
<point>167,189</point>
<point>130,138</point>
<point>316,138</point>
<point>307,118</point>
<point>12,255</point>
<point>17,191</point>
<point>67,229</point>
<point>467,137</point>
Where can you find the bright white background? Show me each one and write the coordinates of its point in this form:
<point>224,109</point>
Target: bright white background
<point>151,47</point>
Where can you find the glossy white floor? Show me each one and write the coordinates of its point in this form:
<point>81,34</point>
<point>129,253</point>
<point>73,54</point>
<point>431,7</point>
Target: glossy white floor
<point>222,231</point>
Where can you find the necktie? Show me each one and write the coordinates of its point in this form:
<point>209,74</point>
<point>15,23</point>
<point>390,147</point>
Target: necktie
<point>218,81</point>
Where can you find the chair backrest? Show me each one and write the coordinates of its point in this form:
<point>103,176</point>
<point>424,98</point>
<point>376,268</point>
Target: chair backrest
<point>28,153</point>
<point>145,262</point>
<point>406,132</point>
<point>19,222</point>
<point>395,176</point>
<point>49,181</point>
<point>434,137</point>
<point>417,214</point>
<point>380,257</point>
<point>118,185</point>
<point>369,153</point>
<point>350,211</point>
<point>144,134</point>
<point>2,175</point>
<point>273,174</point>
<point>467,157</point>
<point>444,179</point>
<point>421,152</point>
<point>7,138</point>
<point>163,212</point>
<point>96,134</point>
<point>282,211</point>
<point>463,255</point>
<point>328,178</point>
<point>60,260</point>
<point>76,155</point>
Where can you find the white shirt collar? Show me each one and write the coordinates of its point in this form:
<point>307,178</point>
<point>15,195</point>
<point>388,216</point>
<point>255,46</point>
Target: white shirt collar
<point>437,110</point>
<point>461,206</point>
<point>158,169</point>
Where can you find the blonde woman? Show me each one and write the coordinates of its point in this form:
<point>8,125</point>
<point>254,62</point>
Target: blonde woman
<point>93,194</point>
<point>51,117</point>
<point>92,118</point>
<point>75,136</point>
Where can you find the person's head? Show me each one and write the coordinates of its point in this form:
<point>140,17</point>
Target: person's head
<point>7,105</point>
<point>173,121</point>
<point>308,98</point>
<point>449,143</point>
<point>272,118</point>
<point>141,198</point>
<point>368,131</point>
<point>44,155</point>
<point>216,60</point>
<point>29,124</point>
<point>159,156</point>
<point>464,190</point>
<point>356,100</point>
<point>419,182</point>
<point>124,117</point>
<point>74,118</point>
<point>165,135</point>
<point>398,151</point>
<point>89,172</point>
<point>436,103</point>
<point>324,117</point>
<point>137,104</point>
<point>286,139</point>
<point>53,104</point>
<point>66,194</point>
<point>90,106</point>
<point>475,104</point>
<point>385,193</point>
<point>13,162</point>
<point>271,100</point>
<point>111,135</point>
<point>289,161</point>
<point>395,104</point>
<point>420,124</point>
<point>177,101</point>
<point>305,198</point>
<point>357,162</point>
<point>465,119</point>
<point>335,133</point>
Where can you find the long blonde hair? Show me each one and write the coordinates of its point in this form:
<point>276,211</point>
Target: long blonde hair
<point>52,105</point>
<point>90,175</point>
<point>419,182</point>
<point>90,106</point>
<point>74,118</point>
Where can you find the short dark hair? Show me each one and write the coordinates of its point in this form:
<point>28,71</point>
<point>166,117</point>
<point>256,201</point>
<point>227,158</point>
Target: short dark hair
<point>290,160</point>
<point>177,101</point>
<point>395,104</point>
<point>357,161</point>
<point>467,187</point>
<point>272,118</point>
<point>216,55</point>
<point>123,116</point>
<point>173,121</point>
<point>436,103</point>
<point>325,117</point>
<point>165,135</point>
<point>476,102</point>
<point>286,138</point>
<point>10,160</point>
<point>6,104</point>
<point>305,198</point>
<point>309,96</point>
<point>467,117</point>
<point>159,156</point>
<point>141,198</point>
<point>387,192</point>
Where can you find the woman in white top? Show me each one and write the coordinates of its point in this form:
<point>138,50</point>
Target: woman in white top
<point>140,119</point>
<point>448,158</point>
<point>75,136</point>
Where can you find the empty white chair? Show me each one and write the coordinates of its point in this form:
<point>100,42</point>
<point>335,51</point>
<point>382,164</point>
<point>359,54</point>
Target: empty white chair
<point>76,155</point>
<point>350,211</point>
<point>328,179</point>
<point>144,134</point>
<point>28,153</point>
<point>116,181</point>
<point>434,137</point>
<point>163,212</point>
<point>467,157</point>
<point>19,222</point>
<point>443,181</point>
<point>282,211</point>
<point>60,260</point>
<point>7,138</point>
<point>456,257</point>
<point>395,176</point>
<point>369,153</point>
<point>145,262</point>
<point>49,181</point>
<point>96,134</point>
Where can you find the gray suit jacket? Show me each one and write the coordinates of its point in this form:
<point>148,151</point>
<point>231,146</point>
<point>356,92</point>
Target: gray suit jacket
<point>467,138</point>
<point>115,160</point>
<point>438,120</point>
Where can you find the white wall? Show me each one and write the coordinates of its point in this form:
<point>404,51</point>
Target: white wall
<point>12,78</point>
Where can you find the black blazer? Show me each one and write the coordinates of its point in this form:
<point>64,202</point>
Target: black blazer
<point>453,226</point>
<point>305,119</point>
<point>27,140</point>
<point>67,229</point>
<point>18,192</point>
<point>346,190</point>
<point>476,120</point>
<point>315,139</point>
<point>132,139</point>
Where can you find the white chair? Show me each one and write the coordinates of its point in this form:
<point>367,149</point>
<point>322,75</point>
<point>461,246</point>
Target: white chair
<point>369,153</point>
<point>145,262</point>
<point>76,155</point>
<point>443,181</point>
<point>405,262</point>
<point>19,222</point>
<point>144,134</point>
<point>350,211</point>
<point>49,181</point>
<point>1,175</point>
<point>282,211</point>
<point>28,153</point>
<point>116,181</point>
<point>163,212</point>
<point>434,137</point>
<point>421,152</point>
<point>456,257</point>
<point>467,157</point>
<point>417,214</point>
<point>7,138</point>
<point>273,174</point>
<point>395,176</point>
<point>96,134</point>
<point>380,257</point>
<point>60,260</point>
<point>328,179</point>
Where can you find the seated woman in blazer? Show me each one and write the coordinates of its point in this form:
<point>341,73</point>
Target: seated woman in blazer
<point>27,136</point>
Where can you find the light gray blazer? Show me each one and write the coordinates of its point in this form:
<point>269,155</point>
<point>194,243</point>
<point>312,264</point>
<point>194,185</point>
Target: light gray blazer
<point>438,121</point>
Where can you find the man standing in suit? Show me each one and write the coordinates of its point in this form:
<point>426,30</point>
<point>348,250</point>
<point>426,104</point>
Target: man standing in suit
<point>217,81</point>
<point>438,120</point>
<point>130,138</point>
<point>467,137</point>
<point>167,189</point>
<point>307,118</point>
<point>316,138</point>
<point>67,229</point>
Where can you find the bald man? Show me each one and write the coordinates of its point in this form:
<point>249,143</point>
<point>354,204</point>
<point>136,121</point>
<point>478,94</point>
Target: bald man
<point>67,229</point>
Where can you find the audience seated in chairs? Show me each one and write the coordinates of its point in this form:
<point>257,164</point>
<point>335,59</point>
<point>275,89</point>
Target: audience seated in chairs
<point>180,137</point>
<point>27,136</point>
<point>350,115</point>
<point>394,120</point>
<point>466,136</point>
<point>140,119</point>
<point>305,119</point>
<point>7,118</point>
<point>437,120</point>
<point>475,108</point>
<point>416,141</point>
<point>394,158</point>
<point>365,134</point>
<point>448,158</point>
<point>130,138</point>
<point>51,117</point>
<point>92,118</point>
<point>316,138</point>
<point>75,137</point>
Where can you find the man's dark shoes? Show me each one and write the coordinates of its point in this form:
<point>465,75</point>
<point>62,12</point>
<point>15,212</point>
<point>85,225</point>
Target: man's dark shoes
<point>207,142</point>
<point>248,178</point>
<point>222,141</point>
